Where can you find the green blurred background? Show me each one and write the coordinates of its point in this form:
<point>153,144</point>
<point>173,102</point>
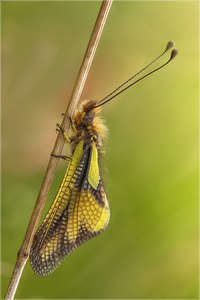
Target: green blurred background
<point>150,249</point>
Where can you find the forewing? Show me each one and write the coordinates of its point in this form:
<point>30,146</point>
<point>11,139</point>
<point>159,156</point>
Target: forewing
<point>78,213</point>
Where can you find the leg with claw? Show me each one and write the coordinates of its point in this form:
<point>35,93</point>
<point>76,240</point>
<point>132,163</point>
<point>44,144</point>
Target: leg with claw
<point>61,156</point>
<point>73,126</point>
<point>59,128</point>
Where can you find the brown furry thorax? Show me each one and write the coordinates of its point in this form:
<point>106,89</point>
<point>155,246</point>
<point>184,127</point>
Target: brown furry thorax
<point>88,121</point>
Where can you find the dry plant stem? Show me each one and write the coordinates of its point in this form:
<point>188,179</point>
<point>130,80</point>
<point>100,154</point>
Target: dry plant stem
<point>48,178</point>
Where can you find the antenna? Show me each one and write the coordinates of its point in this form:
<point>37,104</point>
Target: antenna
<point>107,98</point>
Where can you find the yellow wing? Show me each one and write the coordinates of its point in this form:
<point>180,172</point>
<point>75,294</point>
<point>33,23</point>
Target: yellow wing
<point>79,212</point>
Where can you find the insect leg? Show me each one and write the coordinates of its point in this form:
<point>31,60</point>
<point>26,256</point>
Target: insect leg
<point>59,128</point>
<point>73,126</point>
<point>61,156</point>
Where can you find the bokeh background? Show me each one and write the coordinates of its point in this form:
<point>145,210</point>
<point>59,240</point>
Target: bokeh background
<point>150,249</point>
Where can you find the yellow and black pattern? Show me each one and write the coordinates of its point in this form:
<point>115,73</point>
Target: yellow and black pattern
<point>79,211</point>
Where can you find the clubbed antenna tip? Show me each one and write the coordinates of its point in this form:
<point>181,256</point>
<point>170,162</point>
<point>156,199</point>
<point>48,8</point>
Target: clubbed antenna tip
<point>170,44</point>
<point>173,53</point>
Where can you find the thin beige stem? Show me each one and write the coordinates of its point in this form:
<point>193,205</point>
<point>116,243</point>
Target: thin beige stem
<point>23,253</point>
